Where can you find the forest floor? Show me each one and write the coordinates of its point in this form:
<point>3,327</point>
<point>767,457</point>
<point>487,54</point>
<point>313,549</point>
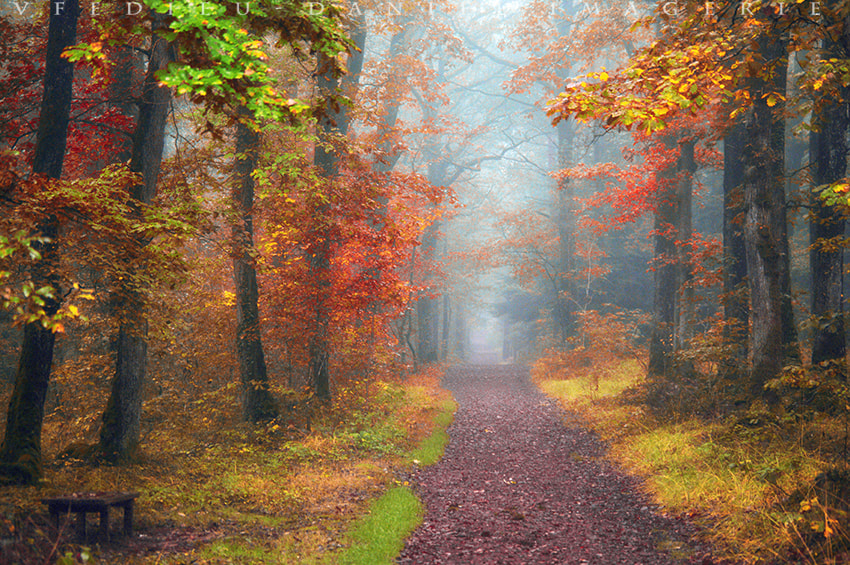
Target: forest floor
<point>523,482</point>
<point>214,491</point>
<point>524,479</point>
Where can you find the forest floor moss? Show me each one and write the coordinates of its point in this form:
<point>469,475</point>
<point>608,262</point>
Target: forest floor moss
<point>754,482</point>
<point>214,491</point>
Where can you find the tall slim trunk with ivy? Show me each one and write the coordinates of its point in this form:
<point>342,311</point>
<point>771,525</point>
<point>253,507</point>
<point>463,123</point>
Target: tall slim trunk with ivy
<point>120,431</point>
<point>257,400</point>
<point>20,453</point>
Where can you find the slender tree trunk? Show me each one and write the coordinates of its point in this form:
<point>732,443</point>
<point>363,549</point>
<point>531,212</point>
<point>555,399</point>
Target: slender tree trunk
<point>736,307</point>
<point>765,230</point>
<point>333,126</point>
<point>427,311</point>
<point>318,348</point>
<point>672,224</point>
<point>119,433</point>
<point>827,254</point>
<point>20,453</point>
<point>828,151</point>
<point>386,128</point>
<point>566,206</point>
<point>386,135</point>
<point>257,401</point>
<point>461,334</point>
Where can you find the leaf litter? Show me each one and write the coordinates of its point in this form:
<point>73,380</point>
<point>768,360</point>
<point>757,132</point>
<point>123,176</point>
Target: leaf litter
<point>522,482</point>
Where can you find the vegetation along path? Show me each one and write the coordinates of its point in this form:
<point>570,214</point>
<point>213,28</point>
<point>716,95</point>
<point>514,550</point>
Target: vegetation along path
<point>517,485</point>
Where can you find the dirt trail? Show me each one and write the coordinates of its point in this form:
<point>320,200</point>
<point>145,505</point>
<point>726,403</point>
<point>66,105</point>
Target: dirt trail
<point>518,486</point>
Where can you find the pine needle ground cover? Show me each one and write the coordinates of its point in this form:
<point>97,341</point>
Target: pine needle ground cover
<point>215,491</point>
<point>766,487</point>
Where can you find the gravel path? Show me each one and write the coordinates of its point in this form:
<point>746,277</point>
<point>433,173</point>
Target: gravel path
<point>518,486</point>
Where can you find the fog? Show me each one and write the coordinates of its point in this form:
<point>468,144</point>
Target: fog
<point>515,257</point>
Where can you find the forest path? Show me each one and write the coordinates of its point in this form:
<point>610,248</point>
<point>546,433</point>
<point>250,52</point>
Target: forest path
<point>517,485</point>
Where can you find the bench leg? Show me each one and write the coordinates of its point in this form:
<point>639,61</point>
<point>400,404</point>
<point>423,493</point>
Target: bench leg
<point>128,518</point>
<point>81,526</point>
<point>104,523</point>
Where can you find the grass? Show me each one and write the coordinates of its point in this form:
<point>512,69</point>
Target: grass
<point>378,537</point>
<point>431,449</point>
<point>752,489</point>
<point>216,491</point>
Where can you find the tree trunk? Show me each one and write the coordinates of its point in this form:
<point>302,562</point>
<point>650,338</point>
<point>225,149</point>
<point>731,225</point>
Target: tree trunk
<point>765,230</point>
<point>119,433</point>
<point>828,148</point>
<point>257,401</point>
<point>318,349</point>
<point>566,206</point>
<point>20,453</point>
<point>671,224</point>
<point>445,332</point>
<point>427,308</point>
<point>427,333</point>
<point>332,126</point>
<point>736,307</point>
<point>826,255</point>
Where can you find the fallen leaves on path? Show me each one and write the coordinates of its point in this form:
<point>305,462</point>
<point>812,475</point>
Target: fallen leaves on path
<point>517,485</point>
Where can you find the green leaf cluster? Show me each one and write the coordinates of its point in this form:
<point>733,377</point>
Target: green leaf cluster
<point>224,51</point>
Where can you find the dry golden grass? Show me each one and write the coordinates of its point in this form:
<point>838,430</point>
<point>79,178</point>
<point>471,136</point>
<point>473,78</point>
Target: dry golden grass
<point>214,490</point>
<point>753,487</point>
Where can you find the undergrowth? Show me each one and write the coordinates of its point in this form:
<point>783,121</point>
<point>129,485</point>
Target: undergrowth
<point>216,491</point>
<point>766,485</point>
<point>378,537</point>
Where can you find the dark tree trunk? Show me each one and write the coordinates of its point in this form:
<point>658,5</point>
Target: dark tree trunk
<point>427,316</point>
<point>119,433</point>
<point>333,126</point>
<point>387,126</point>
<point>736,307</point>
<point>318,350</point>
<point>765,229</point>
<point>828,148</point>
<point>257,401</point>
<point>671,224</point>
<point>827,254</point>
<point>20,453</point>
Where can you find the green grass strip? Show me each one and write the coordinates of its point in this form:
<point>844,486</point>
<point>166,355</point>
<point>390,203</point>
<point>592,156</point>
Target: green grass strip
<point>378,538</point>
<point>431,449</point>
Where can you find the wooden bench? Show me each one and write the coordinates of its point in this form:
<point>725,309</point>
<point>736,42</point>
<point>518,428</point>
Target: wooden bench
<point>83,502</point>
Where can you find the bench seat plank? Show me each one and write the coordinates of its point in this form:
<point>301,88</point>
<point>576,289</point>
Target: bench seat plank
<point>84,502</point>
